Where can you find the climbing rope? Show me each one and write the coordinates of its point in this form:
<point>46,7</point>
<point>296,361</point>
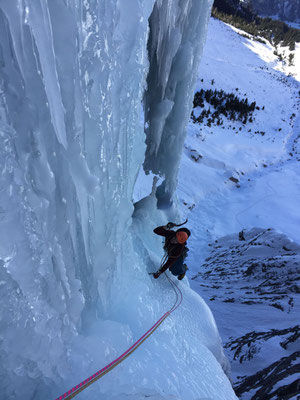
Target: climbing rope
<point>70,394</point>
<point>179,294</point>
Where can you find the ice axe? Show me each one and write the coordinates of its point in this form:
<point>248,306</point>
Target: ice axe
<point>172,224</point>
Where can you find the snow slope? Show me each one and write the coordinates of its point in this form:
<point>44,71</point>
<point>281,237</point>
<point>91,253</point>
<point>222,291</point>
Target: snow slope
<point>266,166</point>
<point>251,280</point>
<point>235,177</point>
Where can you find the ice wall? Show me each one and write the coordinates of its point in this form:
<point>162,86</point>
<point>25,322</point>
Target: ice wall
<point>177,36</point>
<point>74,288</point>
<point>71,82</point>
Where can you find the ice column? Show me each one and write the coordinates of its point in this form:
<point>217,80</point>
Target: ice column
<point>177,35</point>
<point>72,77</point>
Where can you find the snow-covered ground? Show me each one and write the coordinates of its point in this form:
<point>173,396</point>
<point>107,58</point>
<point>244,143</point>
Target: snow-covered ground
<point>266,166</point>
<point>234,177</point>
<point>265,191</point>
<point>250,281</point>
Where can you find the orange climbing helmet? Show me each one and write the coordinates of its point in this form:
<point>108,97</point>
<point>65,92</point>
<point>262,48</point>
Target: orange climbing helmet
<point>182,236</point>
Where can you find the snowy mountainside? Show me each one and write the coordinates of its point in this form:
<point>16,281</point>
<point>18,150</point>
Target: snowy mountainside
<point>262,155</point>
<point>237,174</point>
<point>75,292</point>
<point>285,9</point>
<point>258,273</point>
<point>262,267</point>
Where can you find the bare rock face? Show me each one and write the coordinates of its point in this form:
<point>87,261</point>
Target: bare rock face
<point>251,282</point>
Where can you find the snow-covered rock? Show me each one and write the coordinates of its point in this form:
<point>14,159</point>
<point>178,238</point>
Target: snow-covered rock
<point>254,276</point>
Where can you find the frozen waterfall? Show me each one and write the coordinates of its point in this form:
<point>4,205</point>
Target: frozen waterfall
<point>174,53</point>
<point>74,287</point>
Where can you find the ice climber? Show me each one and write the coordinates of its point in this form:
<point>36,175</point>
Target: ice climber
<point>176,249</point>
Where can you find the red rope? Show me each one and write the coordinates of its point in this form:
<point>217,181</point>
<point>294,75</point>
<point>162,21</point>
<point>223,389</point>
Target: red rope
<point>87,382</point>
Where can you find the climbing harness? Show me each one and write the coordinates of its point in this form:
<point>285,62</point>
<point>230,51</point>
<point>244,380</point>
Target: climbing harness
<point>70,394</point>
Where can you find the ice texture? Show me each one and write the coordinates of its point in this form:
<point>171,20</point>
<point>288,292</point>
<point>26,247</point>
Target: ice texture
<point>74,285</point>
<point>177,36</point>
